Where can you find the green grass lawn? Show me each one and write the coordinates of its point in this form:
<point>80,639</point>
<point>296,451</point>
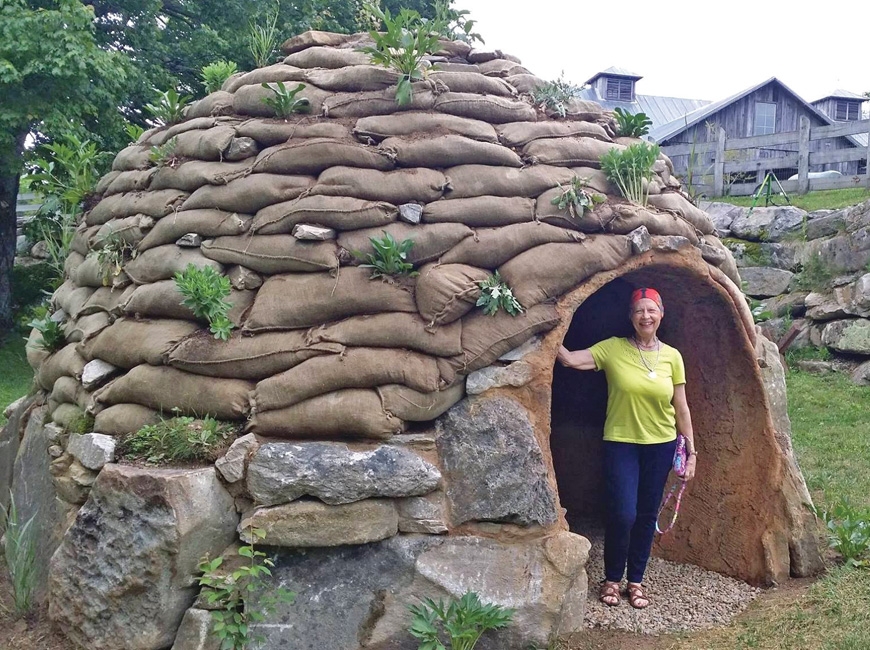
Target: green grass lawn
<point>821,200</point>
<point>16,375</point>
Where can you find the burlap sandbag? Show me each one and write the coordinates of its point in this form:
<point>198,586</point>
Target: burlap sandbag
<point>72,262</point>
<point>131,181</point>
<point>249,100</point>
<point>132,157</point>
<point>247,357</point>
<point>414,406</point>
<point>65,362</point>
<point>351,413</point>
<point>165,134</point>
<point>208,144</point>
<point>446,292</point>
<point>207,223</point>
<point>447,150</point>
<point>625,217</point>
<point>396,330</point>
<point>166,389</point>
<point>358,78</point>
<point>81,241</point>
<point>519,134</point>
<point>33,349</point>
<point>473,82</point>
<point>66,390</point>
<point>356,368</point>
<point>339,212</point>
<point>526,83</point>
<point>219,102</point>
<point>597,218</point>
<point>164,300</point>
<point>399,186</point>
<point>303,300</point>
<point>501,67</point>
<point>584,109</point>
<point>485,338</point>
<point>313,155</point>
<point>313,38</point>
<point>129,342</point>
<point>104,183</point>
<point>273,253</point>
<point>268,133</point>
<point>72,298</point>
<point>129,231</point>
<point>86,327</point>
<point>481,211</point>
<point>595,179</point>
<point>378,102</point>
<point>163,262</point>
<point>550,270</point>
<point>190,176</point>
<point>327,57</point>
<point>492,247</point>
<point>378,127</point>
<point>568,152</point>
<point>153,204</point>
<point>431,241</point>
<point>275,72</point>
<point>90,273</point>
<point>121,419</point>
<point>480,180</point>
<point>495,110</point>
<point>65,415</point>
<point>677,203</point>
<point>107,300</point>
<point>248,194</point>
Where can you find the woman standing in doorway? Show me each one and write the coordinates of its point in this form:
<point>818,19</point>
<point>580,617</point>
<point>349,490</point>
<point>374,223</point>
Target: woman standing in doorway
<point>646,407</point>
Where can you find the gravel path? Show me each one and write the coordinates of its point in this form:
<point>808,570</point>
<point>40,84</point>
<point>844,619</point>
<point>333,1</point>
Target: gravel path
<point>683,597</point>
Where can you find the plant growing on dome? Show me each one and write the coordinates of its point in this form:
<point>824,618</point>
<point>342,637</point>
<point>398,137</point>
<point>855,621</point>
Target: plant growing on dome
<point>390,257</point>
<point>169,108</point>
<point>576,198</point>
<point>263,39</point>
<point>204,291</point>
<point>554,96</point>
<point>495,294</point>
<point>113,254</point>
<point>163,155</point>
<point>631,125</point>
<point>630,169</point>
<point>216,73</point>
<point>284,101</point>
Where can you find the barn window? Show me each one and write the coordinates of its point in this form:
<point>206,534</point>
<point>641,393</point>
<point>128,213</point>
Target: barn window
<point>846,110</point>
<point>765,118</point>
<point>621,90</point>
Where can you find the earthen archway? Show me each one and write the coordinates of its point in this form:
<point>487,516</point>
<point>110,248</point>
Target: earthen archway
<point>735,517</point>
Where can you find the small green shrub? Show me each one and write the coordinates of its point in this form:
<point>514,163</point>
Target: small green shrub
<point>67,169</point>
<point>20,556</point>
<point>463,622</point>
<point>53,338</point>
<point>496,294</point>
<point>631,125</point>
<point>554,96</point>
<point>630,170</point>
<point>241,596</point>
<point>82,423</point>
<point>389,258</point>
<point>170,106</point>
<point>178,439</point>
<point>848,532</point>
<point>163,155</point>
<point>576,198</point>
<point>402,45</point>
<point>133,131</point>
<point>204,291</point>
<point>263,38</point>
<point>454,24</point>
<point>216,73</point>
<point>284,102</point>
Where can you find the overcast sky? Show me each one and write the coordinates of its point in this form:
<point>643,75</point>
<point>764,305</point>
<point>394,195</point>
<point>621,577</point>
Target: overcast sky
<point>683,48</point>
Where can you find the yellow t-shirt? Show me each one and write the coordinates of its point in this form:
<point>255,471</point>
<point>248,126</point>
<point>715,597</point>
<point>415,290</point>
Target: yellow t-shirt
<point>639,407</point>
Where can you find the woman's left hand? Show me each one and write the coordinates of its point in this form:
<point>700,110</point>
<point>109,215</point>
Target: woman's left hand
<point>690,468</point>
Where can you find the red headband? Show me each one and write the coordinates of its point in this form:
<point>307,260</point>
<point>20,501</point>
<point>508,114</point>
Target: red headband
<point>650,294</point>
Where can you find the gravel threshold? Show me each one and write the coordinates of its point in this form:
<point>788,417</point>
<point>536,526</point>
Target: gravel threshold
<point>682,597</point>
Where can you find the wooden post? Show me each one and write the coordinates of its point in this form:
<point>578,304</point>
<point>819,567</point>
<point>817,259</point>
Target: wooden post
<point>719,165</point>
<point>804,156</point>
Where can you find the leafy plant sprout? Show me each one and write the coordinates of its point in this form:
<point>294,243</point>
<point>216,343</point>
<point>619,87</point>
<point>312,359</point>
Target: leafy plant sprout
<point>630,170</point>
<point>163,155</point>
<point>496,294</point>
<point>554,96</point>
<point>263,39</point>
<point>406,40</point>
<point>576,198</point>
<point>114,252</point>
<point>631,125</point>
<point>848,532</point>
<point>204,291</point>
<point>463,621</point>
<point>390,257</point>
<point>284,102</point>
<point>169,107</point>
<point>216,73</point>
<point>178,439</point>
<point>53,338</point>
<point>20,555</point>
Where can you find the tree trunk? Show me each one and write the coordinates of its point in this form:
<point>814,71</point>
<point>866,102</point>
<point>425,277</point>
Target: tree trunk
<point>10,173</point>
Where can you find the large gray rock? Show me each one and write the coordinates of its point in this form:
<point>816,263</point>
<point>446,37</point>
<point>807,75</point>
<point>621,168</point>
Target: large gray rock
<point>824,306</point>
<point>769,224</point>
<point>723,215</point>
<point>196,632</point>
<point>93,450</point>
<point>308,523</point>
<point>36,497</point>
<point>422,514</point>
<point>544,580</point>
<point>844,253</point>
<point>516,374</point>
<point>825,223</point>
<point>851,336</point>
<point>126,570</point>
<point>787,304</point>
<point>9,436</point>
<point>494,468</point>
<point>763,282</point>
<point>280,472</point>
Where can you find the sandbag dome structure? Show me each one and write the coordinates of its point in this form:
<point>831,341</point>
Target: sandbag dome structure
<point>412,444</point>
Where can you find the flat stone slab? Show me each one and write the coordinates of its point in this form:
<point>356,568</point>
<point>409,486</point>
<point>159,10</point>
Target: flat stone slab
<point>196,631</point>
<point>764,282</point>
<point>93,450</point>
<point>317,524</point>
<point>411,212</point>
<point>96,372</point>
<point>308,232</point>
<point>281,472</point>
<point>232,464</point>
<point>516,374</point>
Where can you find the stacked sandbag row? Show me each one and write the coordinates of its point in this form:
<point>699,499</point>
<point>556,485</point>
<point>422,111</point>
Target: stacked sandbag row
<point>470,171</point>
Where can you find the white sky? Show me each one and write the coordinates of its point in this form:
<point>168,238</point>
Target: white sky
<point>683,48</point>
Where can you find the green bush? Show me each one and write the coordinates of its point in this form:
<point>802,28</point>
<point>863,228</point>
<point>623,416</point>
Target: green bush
<point>263,39</point>
<point>463,622</point>
<point>204,291</point>
<point>163,155</point>
<point>32,284</point>
<point>216,73</point>
<point>554,96</point>
<point>630,170</point>
<point>848,532</point>
<point>496,294</point>
<point>53,338</point>
<point>169,107</point>
<point>178,439</point>
<point>284,101</point>
<point>631,125</point>
<point>389,257</point>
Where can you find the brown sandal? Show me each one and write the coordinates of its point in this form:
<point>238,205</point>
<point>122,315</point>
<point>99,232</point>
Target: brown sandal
<point>608,593</point>
<point>636,596</point>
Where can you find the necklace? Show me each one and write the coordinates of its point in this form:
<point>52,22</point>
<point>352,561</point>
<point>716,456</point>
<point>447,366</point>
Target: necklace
<point>651,370</point>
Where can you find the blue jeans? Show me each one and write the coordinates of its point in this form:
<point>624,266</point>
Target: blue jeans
<point>634,480</point>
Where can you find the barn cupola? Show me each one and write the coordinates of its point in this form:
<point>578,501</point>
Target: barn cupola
<point>615,84</point>
<point>841,105</point>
